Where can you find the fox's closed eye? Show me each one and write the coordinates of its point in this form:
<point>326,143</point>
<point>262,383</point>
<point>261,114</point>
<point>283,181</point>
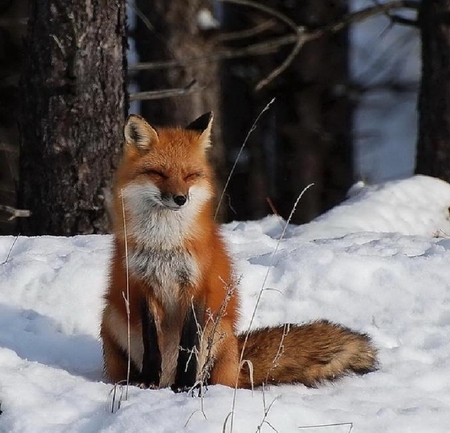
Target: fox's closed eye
<point>193,176</point>
<point>157,173</point>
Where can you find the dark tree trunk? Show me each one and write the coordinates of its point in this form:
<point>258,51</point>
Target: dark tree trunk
<point>433,148</point>
<point>73,109</point>
<point>250,184</point>
<point>176,35</point>
<point>314,118</point>
<point>306,136</point>
<point>13,18</point>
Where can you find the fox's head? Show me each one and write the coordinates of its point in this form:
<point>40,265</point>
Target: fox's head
<point>165,170</point>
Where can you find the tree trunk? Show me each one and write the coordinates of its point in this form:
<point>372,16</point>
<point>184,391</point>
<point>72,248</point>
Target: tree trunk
<point>306,136</point>
<point>171,31</point>
<point>314,118</point>
<point>73,109</point>
<point>13,19</point>
<point>250,184</point>
<point>433,147</point>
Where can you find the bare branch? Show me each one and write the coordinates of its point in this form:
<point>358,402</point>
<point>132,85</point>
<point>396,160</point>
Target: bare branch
<point>126,295</point>
<point>258,49</point>
<point>266,9</point>
<point>280,69</point>
<point>239,154</point>
<point>247,33</point>
<point>349,424</point>
<point>6,147</point>
<point>364,14</point>
<point>10,250</point>
<point>299,31</point>
<point>272,45</point>
<point>258,300</point>
<point>141,16</point>
<point>15,213</point>
<point>396,19</point>
<point>167,93</point>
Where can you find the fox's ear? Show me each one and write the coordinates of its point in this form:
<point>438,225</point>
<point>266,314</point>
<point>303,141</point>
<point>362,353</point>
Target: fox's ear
<point>203,125</point>
<point>139,133</point>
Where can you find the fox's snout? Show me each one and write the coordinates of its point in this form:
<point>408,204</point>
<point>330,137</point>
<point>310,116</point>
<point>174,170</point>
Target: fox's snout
<point>174,201</point>
<point>180,200</point>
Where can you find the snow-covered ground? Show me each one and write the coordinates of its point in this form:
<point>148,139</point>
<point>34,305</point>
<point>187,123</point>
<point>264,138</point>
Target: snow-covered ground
<point>379,263</point>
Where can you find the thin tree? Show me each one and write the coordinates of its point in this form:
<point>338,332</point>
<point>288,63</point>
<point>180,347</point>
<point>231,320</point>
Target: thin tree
<point>314,116</point>
<point>13,18</point>
<point>306,138</point>
<point>181,31</point>
<point>72,114</point>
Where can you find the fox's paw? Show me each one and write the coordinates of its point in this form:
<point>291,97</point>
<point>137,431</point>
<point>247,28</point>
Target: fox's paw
<point>197,389</point>
<point>145,385</point>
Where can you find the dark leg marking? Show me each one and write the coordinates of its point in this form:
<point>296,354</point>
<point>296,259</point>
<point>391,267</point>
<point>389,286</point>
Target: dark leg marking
<point>189,343</point>
<point>151,363</point>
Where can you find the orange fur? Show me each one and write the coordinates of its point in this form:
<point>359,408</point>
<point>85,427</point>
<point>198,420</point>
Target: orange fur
<point>179,271</point>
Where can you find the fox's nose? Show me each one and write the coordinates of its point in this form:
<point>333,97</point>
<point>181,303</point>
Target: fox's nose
<point>180,200</point>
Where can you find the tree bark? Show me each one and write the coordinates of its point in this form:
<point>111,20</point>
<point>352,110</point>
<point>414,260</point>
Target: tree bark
<point>72,115</point>
<point>433,147</point>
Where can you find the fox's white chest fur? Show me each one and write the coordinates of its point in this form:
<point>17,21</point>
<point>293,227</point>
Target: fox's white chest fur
<point>160,256</point>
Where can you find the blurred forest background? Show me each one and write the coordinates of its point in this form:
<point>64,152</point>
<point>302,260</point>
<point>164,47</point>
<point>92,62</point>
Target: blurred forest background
<point>345,78</point>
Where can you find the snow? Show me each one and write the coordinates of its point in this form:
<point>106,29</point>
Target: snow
<point>206,20</point>
<point>379,263</point>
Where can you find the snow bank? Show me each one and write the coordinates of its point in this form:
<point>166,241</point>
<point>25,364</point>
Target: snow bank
<point>379,263</point>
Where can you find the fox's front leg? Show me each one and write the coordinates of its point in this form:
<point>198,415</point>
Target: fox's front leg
<point>218,357</point>
<point>186,373</point>
<point>151,361</point>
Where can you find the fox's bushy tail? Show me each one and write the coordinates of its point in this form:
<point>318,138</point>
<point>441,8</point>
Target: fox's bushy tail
<point>310,354</point>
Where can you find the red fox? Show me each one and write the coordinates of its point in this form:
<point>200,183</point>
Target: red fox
<point>183,297</point>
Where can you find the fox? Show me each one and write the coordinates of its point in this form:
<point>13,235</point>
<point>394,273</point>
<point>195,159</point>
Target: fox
<point>172,301</point>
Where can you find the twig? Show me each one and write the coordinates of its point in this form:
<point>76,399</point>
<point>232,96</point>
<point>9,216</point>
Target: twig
<point>298,31</point>
<point>116,406</point>
<point>192,414</point>
<point>266,9</point>
<point>364,14</point>
<point>167,93</point>
<point>247,33</point>
<point>280,351</point>
<point>149,25</point>
<point>126,296</point>
<point>239,155</point>
<point>258,300</point>
<point>142,17</point>
<point>266,413</point>
<point>257,49</point>
<point>272,206</point>
<point>272,261</point>
<point>15,213</point>
<point>303,36</point>
<point>209,360</point>
<point>396,19</point>
<point>405,21</point>
<point>10,250</point>
<point>350,424</point>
